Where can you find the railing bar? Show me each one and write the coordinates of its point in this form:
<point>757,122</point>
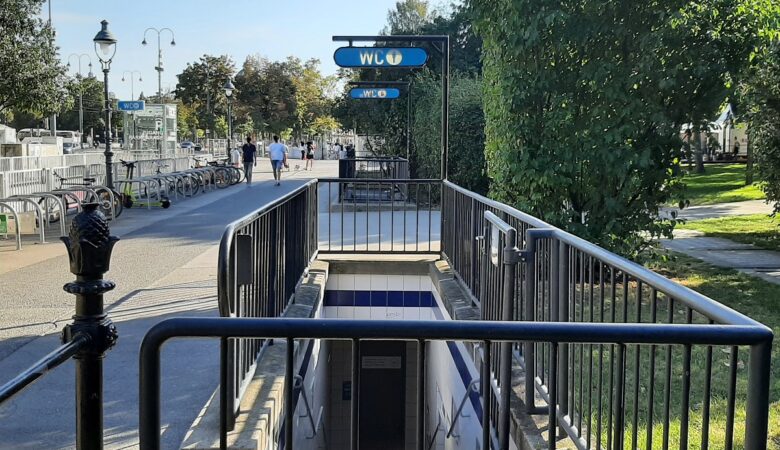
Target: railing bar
<point>581,409</point>
<point>342,190</point>
<point>553,391</point>
<point>288,394</point>
<point>406,202</point>
<point>417,217</point>
<point>421,394</point>
<point>620,398</point>
<point>651,384</point>
<point>600,391</point>
<point>368,216</point>
<point>49,362</point>
<point>355,395</point>
<point>430,216</point>
<point>637,358</point>
<point>686,387</point>
<point>486,395</point>
<point>392,217</point>
<point>613,310</point>
<point>731,397</point>
<point>668,380</point>
<point>590,354</point>
<point>379,233</point>
<point>705,412</point>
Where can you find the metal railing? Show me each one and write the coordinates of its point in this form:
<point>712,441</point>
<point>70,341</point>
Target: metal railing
<point>379,216</point>
<point>608,396</point>
<point>554,335</point>
<point>378,167</point>
<point>261,260</point>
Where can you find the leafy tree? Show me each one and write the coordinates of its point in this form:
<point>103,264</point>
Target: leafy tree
<point>408,17</point>
<point>32,79</point>
<point>467,131</point>
<point>266,93</point>
<point>201,87</point>
<point>92,100</point>
<point>584,102</point>
<point>313,93</point>
<point>220,127</point>
<point>323,125</point>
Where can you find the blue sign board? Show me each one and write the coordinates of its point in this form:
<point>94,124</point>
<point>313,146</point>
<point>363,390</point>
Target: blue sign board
<point>358,57</point>
<point>377,93</point>
<point>132,105</point>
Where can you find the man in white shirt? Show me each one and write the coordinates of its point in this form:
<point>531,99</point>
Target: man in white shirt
<point>277,153</point>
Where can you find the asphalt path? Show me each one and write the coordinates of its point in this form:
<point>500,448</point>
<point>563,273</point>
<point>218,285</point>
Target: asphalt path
<point>164,266</point>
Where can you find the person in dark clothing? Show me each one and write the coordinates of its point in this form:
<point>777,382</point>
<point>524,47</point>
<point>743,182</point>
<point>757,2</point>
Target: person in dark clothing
<point>249,151</point>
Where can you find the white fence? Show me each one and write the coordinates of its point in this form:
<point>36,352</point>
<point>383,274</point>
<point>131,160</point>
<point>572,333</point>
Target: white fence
<point>34,180</point>
<point>15,163</point>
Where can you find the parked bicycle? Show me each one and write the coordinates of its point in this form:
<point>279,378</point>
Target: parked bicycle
<point>227,174</point>
<point>104,198</point>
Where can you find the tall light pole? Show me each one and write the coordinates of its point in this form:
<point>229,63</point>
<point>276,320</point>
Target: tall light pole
<point>159,67</point>
<point>105,48</point>
<point>132,97</point>
<point>81,91</point>
<point>229,94</point>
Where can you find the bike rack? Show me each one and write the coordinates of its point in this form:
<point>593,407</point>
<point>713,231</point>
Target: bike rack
<point>16,223</point>
<point>41,231</point>
<point>45,195</point>
<point>70,194</point>
<point>143,181</point>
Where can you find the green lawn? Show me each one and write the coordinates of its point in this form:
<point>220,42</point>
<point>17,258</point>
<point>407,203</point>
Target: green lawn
<point>757,229</point>
<point>720,183</point>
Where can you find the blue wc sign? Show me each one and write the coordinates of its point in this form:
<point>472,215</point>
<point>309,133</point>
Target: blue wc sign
<point>374,93</point>
<point>131,105</point>
<point>368,57</point>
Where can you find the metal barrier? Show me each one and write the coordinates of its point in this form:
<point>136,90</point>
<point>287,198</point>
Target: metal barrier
<point>554,335</point>
<point>43,220</point>
<point>602,391</point>
<point>18,233</point>
<point>379,167</point>
<point>261,260</point>
<point>387,216</point>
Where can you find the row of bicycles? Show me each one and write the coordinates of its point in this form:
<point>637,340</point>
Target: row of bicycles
<point>151,191</point>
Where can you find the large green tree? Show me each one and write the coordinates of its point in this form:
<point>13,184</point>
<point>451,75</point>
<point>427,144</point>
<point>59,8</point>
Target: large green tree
<point>584,101</point>
<point>91,90</point>
<point>32,79</point>
<point>200,88</point>
<point>267,94</point>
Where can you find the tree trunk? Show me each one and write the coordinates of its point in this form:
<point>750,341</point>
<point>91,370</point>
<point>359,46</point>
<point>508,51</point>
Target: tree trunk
<point>699,152</point>
<point>749,165</point>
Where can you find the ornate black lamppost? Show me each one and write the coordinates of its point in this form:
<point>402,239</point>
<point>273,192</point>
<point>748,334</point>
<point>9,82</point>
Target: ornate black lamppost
<point>105,48</point>
<point>229,94</point>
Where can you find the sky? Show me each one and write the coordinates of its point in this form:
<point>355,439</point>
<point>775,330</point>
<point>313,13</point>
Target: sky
<point>275,29</point>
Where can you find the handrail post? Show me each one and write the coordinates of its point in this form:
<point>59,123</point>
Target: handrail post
<point>530,296</point>
<point>89,245</point>
<point>561,268</point>
<point>511,259</point>
<point>757,407</point>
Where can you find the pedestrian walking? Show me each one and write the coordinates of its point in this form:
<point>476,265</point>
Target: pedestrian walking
<point>310,155</point>
<point>235,157</point>
<point>249,151</point>
<point>303,151</point>
<point>277,153</point>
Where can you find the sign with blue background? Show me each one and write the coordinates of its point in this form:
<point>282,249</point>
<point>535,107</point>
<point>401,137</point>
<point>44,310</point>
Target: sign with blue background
<point>374,93</point>
<point>358,57</point>
<point>132,105</point>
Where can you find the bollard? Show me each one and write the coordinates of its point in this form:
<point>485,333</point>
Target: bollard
<point>89,245</point>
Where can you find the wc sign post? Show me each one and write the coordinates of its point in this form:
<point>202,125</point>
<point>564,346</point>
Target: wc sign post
<point>377,57</point>
<point>395,52</point>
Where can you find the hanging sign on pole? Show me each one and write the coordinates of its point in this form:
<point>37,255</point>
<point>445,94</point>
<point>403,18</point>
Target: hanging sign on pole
<point>375,57</point>
<point>375,93</point>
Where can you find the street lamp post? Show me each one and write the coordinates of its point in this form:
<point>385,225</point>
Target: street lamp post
<point>105,48</point>
<point>159,67</point>
<point>81,91</point>
<point>132,97</point>
<point>229,94</point>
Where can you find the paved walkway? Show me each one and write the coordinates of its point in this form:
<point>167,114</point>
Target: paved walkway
<point>720,210</point>
<point>164,266</point>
